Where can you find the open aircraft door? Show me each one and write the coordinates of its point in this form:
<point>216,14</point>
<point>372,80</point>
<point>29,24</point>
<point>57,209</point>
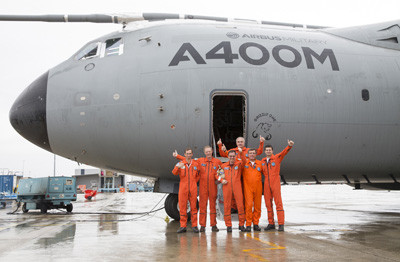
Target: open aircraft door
<point>228,121</point>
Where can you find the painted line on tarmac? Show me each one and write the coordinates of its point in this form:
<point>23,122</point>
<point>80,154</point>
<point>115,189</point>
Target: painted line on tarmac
<point>273,246</point>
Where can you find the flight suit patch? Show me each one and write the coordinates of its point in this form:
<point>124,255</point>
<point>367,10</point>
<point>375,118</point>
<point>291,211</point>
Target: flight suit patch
<point>273,164</point>
<point>203,164</point>
<point>258,169</point>
<point>236,168</point>
<point>215,167</point>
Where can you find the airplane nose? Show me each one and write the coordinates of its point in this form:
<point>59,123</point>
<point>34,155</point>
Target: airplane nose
<point>28,113</point>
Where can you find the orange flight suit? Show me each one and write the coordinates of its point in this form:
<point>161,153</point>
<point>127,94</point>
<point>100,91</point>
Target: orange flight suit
<point>252,185</point>
<point>244,149</point>
<point>233,174</point>
<point>208,187</point>
<point>189,176</point>
<point>272,186</point>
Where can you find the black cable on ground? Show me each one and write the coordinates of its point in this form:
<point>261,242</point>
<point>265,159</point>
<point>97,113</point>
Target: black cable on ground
<point>18,205</point>
<point>141,214</point>
<point>114,213</point>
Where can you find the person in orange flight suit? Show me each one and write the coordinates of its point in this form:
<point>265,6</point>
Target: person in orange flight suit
<point>232,185</point>
<point>240,144</point>
<point>208,188</point>
<point>252,185</point>
<point>271,166</point>
<point>188,171</point>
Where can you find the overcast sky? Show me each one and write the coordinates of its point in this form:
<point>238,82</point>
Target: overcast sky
<point>30,49</point>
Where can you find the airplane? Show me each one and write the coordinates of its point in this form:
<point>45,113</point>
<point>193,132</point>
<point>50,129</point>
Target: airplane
<point>127,100</point>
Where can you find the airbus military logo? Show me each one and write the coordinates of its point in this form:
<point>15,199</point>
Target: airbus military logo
<point>232,35</point>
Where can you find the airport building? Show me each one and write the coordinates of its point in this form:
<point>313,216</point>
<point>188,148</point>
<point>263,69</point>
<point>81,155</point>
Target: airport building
<point>100,179</point>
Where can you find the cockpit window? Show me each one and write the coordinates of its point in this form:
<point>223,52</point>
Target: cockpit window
<point>110,47</point>
<point>90,51</point>
<point>114,46</point>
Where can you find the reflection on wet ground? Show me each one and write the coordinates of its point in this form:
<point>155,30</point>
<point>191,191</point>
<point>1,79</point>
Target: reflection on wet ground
<point>323,223</point>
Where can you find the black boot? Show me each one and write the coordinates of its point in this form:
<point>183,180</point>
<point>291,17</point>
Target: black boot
<point>281,228</point>
<point>195,230</point>
<point>214,229</point>
<point>248,229</point>
<point>256,228</point>
<point>270,227</point>
<point>181,230</point>
<point>203,229</point>
<point>242,228</point>
<point>229,229</point>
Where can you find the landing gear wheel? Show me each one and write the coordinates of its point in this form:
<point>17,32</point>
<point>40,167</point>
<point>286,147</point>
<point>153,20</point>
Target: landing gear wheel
<point>89,198</point>
<point>172,207</point>
<point>3,204</point>
<point>24,208</point>
<point>43,209</point>
<point>69,208</point>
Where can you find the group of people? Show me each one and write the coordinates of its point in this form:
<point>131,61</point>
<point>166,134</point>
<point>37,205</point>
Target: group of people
<point>241,178</point>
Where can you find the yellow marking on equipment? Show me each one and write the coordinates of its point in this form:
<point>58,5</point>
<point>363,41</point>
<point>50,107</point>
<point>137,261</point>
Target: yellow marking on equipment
<point>260,258</point>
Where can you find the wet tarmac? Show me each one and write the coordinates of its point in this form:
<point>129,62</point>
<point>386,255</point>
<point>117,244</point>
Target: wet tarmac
<point>323,223</point>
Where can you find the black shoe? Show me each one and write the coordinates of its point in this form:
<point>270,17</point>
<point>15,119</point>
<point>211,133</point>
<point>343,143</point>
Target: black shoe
<point>242,228</point>
<point>181,230</point>
<point>270,227</point>
<point>195,230</point>
<point>248,229</point>
<point>281,228</point>
<point>203,229</point>
<point>214,229</point>
<point>256,228</point>
<point>229,229</point>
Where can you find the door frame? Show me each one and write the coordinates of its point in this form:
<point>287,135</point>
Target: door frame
<point>228,92</point>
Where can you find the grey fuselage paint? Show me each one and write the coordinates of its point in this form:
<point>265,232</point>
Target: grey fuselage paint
<point>310,93</point>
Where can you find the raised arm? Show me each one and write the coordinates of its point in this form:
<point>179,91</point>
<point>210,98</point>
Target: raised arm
<point>222,149</point>
<point>242,158</point>
<point>261,146</point>
<point>179,157</point>
<point>286,150</point>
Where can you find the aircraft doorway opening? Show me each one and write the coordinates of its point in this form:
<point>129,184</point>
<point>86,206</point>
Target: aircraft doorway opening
<point>228,118</point>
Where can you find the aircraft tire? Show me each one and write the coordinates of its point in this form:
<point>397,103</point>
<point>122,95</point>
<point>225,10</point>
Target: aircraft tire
<point>171,206</point>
